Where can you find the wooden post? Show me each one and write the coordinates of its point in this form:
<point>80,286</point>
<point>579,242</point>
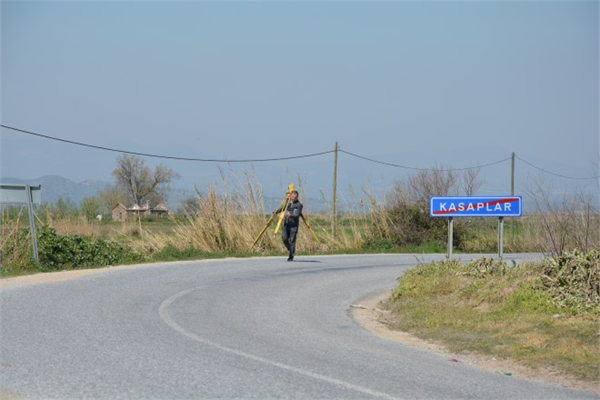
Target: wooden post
<point>334,199</point>
<point>512,193</point>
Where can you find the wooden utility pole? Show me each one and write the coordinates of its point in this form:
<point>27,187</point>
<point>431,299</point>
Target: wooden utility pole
<point>512,193</point>
<point>512,174</point>
<point>334,200</point>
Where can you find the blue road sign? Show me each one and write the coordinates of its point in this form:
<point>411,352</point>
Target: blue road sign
<point>486,206</point>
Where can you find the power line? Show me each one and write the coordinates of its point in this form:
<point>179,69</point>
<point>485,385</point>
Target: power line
<point>459,169</point>
<point>420,169</point>
<point>552,173</point>
<point>161,156</point>
<point>280,158</point>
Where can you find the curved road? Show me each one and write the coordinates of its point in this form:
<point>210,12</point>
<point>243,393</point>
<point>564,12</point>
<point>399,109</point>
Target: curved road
<point>257,328</point>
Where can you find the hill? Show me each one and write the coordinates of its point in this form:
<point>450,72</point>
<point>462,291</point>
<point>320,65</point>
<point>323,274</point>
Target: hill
<point>55,187</point>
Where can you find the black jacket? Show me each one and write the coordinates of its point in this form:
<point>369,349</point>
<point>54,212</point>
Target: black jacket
<point>295,210</point>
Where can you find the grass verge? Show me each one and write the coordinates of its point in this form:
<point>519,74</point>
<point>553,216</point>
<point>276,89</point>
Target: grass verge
<point>491,308</point>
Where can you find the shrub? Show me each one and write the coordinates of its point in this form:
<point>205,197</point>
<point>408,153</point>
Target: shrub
<point>75,251</point>
<point>573,279</point>
<point>411,225</point>
<point>485,267</point>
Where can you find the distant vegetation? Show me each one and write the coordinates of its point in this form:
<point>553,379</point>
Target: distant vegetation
<point>229,217</point>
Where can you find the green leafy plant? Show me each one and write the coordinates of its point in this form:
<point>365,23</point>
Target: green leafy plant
<point>75,251</point>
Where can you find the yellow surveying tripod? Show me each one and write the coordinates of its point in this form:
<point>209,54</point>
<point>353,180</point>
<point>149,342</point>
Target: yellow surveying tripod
<point>283,206</point>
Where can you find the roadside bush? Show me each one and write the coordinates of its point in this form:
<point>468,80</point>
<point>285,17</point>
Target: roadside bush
<point>485,267</point>
<point>74,251</point>
<point>573,280</point>
<point>411,225</point>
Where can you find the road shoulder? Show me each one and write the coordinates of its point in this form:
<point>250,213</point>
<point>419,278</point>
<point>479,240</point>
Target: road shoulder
<point>369,314</point>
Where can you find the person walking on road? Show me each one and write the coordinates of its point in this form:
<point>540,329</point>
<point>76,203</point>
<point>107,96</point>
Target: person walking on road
<point>291,223</point>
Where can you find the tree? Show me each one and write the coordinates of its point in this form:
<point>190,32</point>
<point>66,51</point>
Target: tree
<point>438,181</point>
<point>470,181</point>
<point>110,197</point>
<point>139,182</point>
<point>63,208</point>
<point>90,207</point>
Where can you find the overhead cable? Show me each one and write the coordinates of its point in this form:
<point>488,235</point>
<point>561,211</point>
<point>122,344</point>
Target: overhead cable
<point>280,158</point>
<point>552,173</point>
<point>420,169</point>
<point>163,156</point>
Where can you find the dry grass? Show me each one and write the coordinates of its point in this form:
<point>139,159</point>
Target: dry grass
<point>12,246</point>
<point>74,225</point>
<point>230,217</point>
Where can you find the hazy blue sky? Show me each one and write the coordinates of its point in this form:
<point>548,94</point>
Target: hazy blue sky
<point>408,83</point>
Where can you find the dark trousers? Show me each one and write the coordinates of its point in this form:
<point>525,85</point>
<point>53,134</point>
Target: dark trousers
<point>288,235</point>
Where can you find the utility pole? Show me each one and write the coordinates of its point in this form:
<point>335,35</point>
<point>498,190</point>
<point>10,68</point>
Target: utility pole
<point>334,200</point>
<point>512,174</point>
<point>512,193</point>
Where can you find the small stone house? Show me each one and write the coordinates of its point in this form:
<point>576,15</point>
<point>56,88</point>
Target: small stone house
<point>122,213</point>
<point>119,213</point>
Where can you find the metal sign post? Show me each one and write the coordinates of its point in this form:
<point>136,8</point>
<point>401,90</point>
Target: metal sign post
<point>32,224</point>
<point>500,235</point>
<point>487,206</point>
<point>24,194</point>
<point>450,238</point>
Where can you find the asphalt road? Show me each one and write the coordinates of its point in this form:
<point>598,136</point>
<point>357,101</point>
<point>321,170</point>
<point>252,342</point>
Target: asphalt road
<point>257,328</point>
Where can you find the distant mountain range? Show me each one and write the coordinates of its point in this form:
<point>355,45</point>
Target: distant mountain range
<point>55,187</point>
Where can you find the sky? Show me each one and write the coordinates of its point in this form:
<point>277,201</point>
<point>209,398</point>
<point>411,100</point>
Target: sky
<point>413,84</point>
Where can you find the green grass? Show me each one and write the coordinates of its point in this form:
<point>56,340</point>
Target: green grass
<point>504,314</point>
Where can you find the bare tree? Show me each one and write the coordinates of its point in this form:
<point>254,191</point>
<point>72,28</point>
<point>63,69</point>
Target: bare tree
<point>110,197</point>
<point>470,181</point>
<point>439,181</point>
<point>139,182</point>
<point>565,223</point>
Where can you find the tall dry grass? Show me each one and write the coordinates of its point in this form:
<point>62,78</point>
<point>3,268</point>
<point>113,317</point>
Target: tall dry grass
<point>229,217</point>
<point>72,224</point>
<point>566,224</point>
<point>14,244</point>
<point>365,221</point>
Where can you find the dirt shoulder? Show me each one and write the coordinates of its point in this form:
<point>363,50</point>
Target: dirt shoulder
<point>47,277</point>
<point>372,317</point>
